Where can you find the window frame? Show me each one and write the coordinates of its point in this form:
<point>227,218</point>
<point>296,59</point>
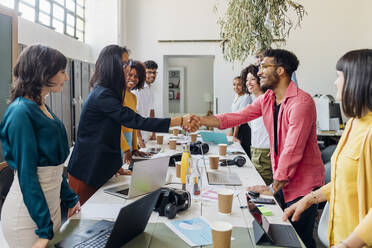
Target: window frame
<point>52,17</point>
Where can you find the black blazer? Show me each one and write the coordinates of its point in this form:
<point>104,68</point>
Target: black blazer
<point>96,156</point>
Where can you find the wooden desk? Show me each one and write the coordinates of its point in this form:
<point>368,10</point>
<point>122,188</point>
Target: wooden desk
<point>156,233</point>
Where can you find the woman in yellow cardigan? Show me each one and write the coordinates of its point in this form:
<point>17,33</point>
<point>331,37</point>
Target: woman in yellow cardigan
<point>350,191</point>
<point>135,80</point>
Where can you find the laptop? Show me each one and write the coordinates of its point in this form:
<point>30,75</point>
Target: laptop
<point>131,221</point>
<point>214,137</point>
<point>266,233</point>
<point>223,178</point>
<point>147,176</point>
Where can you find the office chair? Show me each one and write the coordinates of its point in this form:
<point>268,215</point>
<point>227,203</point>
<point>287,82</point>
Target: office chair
<point>327,153</point>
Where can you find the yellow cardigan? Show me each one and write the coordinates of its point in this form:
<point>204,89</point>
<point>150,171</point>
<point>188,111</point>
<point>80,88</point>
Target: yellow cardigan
<point>350,190</point>
<point>130,101</point>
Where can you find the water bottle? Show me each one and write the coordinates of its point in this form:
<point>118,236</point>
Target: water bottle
<point>193,181</point>
<point>185,164</point>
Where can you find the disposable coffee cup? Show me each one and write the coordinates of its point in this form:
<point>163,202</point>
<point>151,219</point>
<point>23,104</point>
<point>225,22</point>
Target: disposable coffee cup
<point>172,144</point>
<point>214,162</point>
<point>225,200</point>
<point>178,169</point>
<point>221,234</point>
<point>176,131</point>
<point>159,139</point>
<point>222,148</point>
<point>193,137</point>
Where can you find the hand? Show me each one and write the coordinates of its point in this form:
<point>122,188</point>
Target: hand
<point>127,157</point>
<point>191,123</point>
<point>153,136</point>
<point>142,154</point>
<point>142,143</point>
<point>73,210</point>
<point>121,171</point>
<point>41,243</point>
<point>296,209</point>
<point>262,189</point>
<point>235,139</point>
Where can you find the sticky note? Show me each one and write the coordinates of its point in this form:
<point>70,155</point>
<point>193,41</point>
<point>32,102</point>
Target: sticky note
<point>265,211</point>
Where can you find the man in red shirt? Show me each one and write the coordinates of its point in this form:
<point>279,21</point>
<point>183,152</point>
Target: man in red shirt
<point>289,116</point>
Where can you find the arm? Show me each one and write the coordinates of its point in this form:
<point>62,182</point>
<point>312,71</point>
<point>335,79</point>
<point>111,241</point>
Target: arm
<point>140,139</point>
<point>24,150</point>
<point>244,115</point>
<point>236,131</point>
<point>301,119</point>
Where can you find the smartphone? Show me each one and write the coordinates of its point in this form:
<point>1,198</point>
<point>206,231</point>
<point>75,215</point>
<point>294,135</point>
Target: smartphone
<point>263,200</point>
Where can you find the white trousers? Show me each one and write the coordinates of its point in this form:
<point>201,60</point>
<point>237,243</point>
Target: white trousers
<point>17,224</point>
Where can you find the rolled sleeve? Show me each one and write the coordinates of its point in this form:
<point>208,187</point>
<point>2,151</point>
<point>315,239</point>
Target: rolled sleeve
<point>242,116</point>
<point>302,117</point>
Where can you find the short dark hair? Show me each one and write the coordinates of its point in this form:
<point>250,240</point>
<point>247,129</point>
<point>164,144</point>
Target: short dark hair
<point>141,73</point>
<point>357,91</point>
<point>283,58</point>
<point>36,65</point>
<point>108,70</point>
<point>150,64</point>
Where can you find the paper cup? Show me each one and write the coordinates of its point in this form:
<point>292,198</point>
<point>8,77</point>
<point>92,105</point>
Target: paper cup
<point>178,169</point>
<point>221,234</point>
<point>193,137</point>
<point>159,139</point>
<point>176,131</point>
<point>222,148</point>
<point>214,162</point>
<point>172,144</point>
<point>225,200</point>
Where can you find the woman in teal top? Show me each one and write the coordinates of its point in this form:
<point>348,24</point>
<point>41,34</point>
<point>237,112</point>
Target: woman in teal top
<point>35,145</point>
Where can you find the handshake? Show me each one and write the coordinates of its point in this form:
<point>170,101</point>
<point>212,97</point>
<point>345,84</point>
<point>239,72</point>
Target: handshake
<point>191,123</point>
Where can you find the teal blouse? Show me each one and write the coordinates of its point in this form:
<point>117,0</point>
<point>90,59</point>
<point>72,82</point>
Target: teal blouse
<point>30,139</point>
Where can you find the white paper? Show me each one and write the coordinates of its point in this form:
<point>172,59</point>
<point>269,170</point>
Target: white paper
<point>97,211</point>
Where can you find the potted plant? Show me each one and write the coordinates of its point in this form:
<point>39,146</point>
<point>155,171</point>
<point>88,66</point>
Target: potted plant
<point>248,26</point>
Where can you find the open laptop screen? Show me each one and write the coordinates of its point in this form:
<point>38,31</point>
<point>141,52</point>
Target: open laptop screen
<point>258,216</point>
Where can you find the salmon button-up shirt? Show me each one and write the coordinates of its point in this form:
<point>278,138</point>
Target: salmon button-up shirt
<point>298,160</point>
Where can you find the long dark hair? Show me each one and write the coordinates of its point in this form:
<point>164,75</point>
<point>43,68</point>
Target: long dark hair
<point>108,71</point>
<point>141,73</point>
<point>249,69</point>
<point>36,65</point>
<point>357,91</point>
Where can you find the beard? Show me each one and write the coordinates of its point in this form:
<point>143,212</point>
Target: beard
<point>272,82</point>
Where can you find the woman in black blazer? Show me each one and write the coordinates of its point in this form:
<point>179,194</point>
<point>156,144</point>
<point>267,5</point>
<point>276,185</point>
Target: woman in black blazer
<point>96,155</point>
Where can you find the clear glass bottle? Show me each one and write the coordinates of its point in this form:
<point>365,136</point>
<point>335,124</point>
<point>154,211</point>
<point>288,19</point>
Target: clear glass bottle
<point>193,181</point>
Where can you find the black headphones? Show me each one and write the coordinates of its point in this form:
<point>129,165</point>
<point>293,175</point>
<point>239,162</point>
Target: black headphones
<point>171,201</point>
<point>238,161</point>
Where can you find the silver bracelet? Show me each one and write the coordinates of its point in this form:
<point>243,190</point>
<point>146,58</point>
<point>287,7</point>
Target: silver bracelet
<point>272,189</point>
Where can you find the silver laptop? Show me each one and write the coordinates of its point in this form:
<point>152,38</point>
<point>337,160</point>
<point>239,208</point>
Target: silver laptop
<point>147,176</point>
<point>223,178</point>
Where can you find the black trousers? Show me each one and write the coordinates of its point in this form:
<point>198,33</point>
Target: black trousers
<point>305,225</point>
<point>244,135</point>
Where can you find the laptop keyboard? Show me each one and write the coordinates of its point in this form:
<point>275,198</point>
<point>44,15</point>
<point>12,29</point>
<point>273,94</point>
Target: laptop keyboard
<point>218,178</point>
<point>98,241</point>
<point>223,178</point>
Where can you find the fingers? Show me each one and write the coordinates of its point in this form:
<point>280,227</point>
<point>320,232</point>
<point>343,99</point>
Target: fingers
<point>191,123</point>
<point>287,213</point>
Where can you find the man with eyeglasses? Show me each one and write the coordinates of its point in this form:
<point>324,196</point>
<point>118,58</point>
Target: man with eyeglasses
<point>289,116</point>
<point>145,101</point>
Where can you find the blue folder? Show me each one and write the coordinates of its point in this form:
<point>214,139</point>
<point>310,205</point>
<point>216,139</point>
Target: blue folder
<point>214,137</point>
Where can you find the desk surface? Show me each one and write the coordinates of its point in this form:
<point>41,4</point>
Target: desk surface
<point>156,233</point>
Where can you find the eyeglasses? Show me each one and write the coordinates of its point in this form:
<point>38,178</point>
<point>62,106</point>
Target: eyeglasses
<point>127,63</point>
<point>264,66</point>
<point>152,72</point>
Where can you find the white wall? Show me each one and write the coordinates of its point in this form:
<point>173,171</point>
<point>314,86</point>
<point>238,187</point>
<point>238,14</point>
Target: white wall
<point>330,29</point>
<point>102,24</point>
<point>32,33</point>
<point>198,75</point>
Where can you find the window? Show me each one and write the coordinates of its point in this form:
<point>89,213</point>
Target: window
<point>63,16</point>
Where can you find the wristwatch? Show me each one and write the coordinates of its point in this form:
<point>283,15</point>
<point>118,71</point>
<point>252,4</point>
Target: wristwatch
<point>271,188</point>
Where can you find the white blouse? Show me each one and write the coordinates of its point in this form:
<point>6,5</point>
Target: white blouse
<point>241,102</point>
